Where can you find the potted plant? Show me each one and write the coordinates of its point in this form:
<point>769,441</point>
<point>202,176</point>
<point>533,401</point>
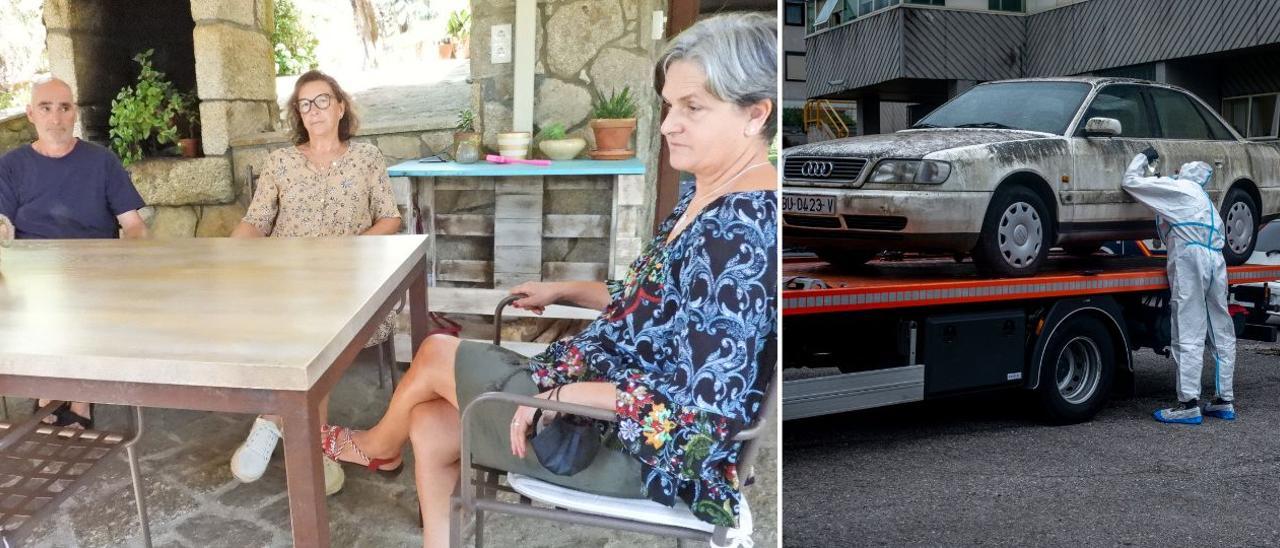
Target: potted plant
<point>613,120</point>
<point>143,115</point>
<point>465,132</point>
<point>459,30</point>
<point>553,142</point>
<point>190,113</point>
<point>446,48</point>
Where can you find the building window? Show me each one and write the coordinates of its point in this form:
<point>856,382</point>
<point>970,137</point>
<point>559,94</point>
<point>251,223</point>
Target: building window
<point>928,2</point>
<point>1254,116</point>
<point>795,71</point>
<point>794,13</point>
<point>1005,5</point>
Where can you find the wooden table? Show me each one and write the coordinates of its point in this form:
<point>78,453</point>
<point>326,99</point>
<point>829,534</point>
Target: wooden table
<point>246,326</point>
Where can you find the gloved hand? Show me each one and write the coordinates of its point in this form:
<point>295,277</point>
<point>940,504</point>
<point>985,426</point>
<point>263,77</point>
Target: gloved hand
<point>1151,154</point>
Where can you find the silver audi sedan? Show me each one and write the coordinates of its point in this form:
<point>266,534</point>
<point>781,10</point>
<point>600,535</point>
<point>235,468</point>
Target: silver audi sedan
<point>1009,169</point>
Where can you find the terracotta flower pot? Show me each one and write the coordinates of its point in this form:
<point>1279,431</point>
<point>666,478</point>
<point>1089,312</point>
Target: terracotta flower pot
<point>613,134</point>
<point>446,50</point>
<point>190,147</point>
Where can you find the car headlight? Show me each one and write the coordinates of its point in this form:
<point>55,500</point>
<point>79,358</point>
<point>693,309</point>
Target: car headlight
<point>920,172</point>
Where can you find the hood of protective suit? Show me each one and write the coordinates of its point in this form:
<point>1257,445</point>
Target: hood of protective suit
<point>1198,172</point>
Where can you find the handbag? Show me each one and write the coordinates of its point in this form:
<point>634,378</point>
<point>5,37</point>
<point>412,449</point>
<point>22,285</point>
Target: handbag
<point>567,444</point>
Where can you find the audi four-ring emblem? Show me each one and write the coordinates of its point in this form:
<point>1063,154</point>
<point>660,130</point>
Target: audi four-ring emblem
<point>814,168</point>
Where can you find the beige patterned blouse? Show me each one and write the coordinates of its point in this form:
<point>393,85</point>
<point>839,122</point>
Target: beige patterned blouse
<point>294,199</point>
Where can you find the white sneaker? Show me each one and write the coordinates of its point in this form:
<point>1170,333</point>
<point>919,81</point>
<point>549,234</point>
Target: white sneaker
<point>251,459</point>
<point>334,477</point>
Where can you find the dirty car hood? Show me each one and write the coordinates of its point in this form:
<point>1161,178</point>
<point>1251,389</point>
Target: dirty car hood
<point>912,143</point>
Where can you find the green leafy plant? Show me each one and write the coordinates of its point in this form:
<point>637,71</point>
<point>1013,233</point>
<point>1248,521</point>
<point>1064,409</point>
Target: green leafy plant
<point>190,113</point>
<point>617,105</point>
<point>142,115</point>
<point>552,132</point>
<point>459,26</point>
<point>466,121</point>
<point>293,45</point>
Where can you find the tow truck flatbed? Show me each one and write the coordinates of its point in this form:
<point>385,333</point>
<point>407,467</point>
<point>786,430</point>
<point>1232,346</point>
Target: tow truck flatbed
<point>918,328</point>
<point>932,282</point>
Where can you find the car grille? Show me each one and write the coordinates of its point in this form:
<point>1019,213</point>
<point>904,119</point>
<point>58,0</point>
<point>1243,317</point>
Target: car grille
<point>812,222</point>
<point>821,171</point>
<point>875,222</point>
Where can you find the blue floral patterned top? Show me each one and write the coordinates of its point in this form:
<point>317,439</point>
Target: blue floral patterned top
<point>689,340</point>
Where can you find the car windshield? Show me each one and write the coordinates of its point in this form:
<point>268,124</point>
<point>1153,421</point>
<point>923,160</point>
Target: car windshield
<point>1034,106</point>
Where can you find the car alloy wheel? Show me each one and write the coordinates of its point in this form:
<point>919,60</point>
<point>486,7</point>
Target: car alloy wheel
<point>1239,224</point>
<point>1021,233</point>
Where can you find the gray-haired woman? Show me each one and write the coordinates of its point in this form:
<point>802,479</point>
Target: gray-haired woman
<point>683,348</point>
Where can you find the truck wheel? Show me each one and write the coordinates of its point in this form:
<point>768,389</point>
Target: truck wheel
<point>1240,216</point>
<point>1076,370</point>
<point>846,259</point>
<point>1016,234</point>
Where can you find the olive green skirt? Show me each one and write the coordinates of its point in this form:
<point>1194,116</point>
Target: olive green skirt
<point>481,368</point>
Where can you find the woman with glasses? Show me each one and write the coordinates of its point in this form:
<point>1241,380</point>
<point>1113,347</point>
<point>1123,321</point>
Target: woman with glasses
<point>324,185</point>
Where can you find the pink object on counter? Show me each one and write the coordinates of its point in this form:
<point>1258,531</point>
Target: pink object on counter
<point>494,158</point>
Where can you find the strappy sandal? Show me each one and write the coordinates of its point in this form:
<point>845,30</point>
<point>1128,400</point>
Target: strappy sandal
<point>67,417</point>
<point>63,416</point>
<point>446,325</point>
<point>335,439</point>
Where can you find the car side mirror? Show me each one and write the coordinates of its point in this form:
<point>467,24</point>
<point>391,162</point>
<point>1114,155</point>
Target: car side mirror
<point>1100,127</point>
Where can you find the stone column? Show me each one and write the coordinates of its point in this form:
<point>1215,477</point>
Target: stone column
<point>73,33</point>
<point>235,70</point>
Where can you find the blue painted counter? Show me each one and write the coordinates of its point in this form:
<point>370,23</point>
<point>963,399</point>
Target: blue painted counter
<point>415,168</point>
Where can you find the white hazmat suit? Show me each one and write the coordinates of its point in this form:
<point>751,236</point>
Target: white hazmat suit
<point>1191,228</point>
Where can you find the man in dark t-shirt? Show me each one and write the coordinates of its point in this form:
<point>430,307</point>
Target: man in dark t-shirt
<point>62,187</point>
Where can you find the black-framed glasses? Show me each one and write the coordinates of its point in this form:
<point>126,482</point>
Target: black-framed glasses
<point>321,102</point>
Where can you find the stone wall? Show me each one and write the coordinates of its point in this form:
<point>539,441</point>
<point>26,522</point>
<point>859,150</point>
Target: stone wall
<point>585,49</point>
<point>15,131</point>
<point>235,70</point>
<point>222,48</point>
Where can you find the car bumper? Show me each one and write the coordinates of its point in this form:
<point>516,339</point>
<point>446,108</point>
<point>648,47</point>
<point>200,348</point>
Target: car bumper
<point>891,220</point>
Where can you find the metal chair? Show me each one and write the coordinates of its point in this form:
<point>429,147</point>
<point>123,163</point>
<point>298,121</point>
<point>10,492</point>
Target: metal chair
<point>478,493</point>
<point>42,465</point>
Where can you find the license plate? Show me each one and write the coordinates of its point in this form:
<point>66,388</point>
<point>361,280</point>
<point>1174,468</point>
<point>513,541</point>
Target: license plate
<point>808,203</point>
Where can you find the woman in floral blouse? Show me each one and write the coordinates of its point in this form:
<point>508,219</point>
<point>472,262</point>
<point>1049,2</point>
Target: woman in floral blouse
<point>683,351</point>
<point>323,186</point>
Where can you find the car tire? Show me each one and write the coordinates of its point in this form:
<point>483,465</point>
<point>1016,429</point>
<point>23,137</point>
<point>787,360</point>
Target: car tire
<point>1076,370</point>
<point>1240,216</point>
<point>1016,234</point>
<point>846,259</point>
